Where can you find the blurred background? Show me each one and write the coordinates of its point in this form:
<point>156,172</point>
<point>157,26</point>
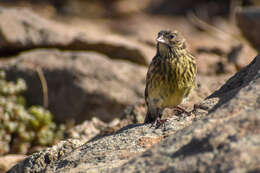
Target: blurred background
<point>76,68</point>
<point>123,8</point>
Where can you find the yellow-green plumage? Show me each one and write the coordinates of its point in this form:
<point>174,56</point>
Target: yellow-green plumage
<point>171,75</point>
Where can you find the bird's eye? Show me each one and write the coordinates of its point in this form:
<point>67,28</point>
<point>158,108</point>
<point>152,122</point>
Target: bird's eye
<point>171,36</point>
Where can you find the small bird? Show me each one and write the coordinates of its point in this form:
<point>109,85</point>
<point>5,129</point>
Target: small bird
<point>171,76</point>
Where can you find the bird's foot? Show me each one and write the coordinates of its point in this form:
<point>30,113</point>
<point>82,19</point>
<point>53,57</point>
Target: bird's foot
<point>158,122</point>
<point>183,110</point>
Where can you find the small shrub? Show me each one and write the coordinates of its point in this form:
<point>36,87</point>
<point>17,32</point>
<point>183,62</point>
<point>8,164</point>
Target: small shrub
<point>22,128</point>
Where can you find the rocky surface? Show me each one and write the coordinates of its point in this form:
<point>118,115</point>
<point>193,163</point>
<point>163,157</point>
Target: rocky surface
<point>221,135</point>
<point>22,29</point>
<point>94,128</point>
<point>81,85</point>
<point>41,159</point>
<point>248,20</point>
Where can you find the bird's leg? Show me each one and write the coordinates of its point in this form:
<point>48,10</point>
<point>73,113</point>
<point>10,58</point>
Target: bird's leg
<point>155,123</point>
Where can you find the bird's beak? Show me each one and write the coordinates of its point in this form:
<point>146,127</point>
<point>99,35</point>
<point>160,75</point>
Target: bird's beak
<point>161,39</point>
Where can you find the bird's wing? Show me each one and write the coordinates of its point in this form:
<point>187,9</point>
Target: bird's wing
<point>150,74</point>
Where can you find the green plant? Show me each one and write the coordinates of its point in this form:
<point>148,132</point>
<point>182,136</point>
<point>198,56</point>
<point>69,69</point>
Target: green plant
<point>22,128</point>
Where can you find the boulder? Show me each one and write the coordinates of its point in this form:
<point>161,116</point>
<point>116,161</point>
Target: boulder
<point>81,85</point>
<point>21,29</point>
<point>221,135</point>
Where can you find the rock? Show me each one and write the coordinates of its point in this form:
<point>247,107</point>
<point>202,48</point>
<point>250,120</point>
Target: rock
<point>22,30</point>
<point>248,20</point>
<point>81,85</point>
<point>43,158</point>
<point>109,151</point>
<point>95,128</point>
<point>8,161</point>
<point>221,135</point>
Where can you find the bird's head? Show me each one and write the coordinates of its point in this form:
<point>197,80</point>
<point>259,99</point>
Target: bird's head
<point>171,38</point>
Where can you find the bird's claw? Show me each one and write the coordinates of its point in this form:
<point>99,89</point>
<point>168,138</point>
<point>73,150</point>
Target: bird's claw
<point>183,110</point>
<point>158,122</point>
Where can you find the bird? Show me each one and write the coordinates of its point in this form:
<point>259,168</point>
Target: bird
<point>171,76</point>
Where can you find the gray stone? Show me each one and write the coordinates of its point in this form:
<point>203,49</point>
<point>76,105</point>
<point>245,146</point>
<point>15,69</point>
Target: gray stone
<point>81,85</point>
